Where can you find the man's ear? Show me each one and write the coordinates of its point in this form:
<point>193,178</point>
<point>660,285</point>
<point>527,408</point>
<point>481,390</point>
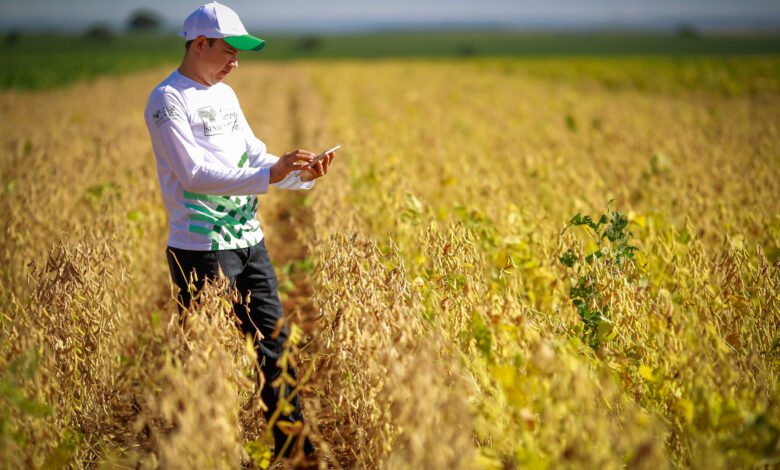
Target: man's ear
<point>199,43</point>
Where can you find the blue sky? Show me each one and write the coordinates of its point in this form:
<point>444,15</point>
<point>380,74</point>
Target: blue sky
<point>304,15</point>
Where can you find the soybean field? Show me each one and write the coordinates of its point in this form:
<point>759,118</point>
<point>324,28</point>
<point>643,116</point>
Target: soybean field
<point>513,263</point>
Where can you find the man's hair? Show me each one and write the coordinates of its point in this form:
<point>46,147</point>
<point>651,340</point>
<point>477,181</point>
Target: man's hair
<point>210,40</point>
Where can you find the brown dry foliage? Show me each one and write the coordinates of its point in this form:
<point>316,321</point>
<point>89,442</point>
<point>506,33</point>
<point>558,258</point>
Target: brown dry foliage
<point>437,330</point>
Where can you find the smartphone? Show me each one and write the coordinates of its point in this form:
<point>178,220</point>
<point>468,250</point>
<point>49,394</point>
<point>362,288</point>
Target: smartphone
<point>322,155</point>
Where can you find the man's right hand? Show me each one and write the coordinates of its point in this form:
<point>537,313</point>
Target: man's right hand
<point>289,162</point>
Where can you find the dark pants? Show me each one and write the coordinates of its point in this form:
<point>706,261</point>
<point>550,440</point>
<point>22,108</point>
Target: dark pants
<point>251,272</point>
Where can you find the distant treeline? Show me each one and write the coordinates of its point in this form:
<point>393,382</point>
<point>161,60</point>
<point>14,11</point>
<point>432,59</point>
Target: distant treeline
<point>43,61</point>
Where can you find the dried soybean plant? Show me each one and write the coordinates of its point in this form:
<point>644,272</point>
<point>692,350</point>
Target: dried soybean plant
<point>385,374</point>
<point>447,335</point>
<point>191,416</point>
<point>684,367</point>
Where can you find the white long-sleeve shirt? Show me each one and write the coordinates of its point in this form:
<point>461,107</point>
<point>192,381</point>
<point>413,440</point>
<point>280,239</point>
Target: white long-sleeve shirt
<point>210,165</point>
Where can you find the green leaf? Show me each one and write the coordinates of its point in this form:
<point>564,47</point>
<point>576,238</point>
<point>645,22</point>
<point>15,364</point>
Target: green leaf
<point>259,452</point>
<point>482,335</point>
<point>773,254</point>
<point>646,373</point>
<point>135,215</point>
<point>568,258</point>
<point>684,237</point>
<point>154,318</point>
<point>15,396</point>
<point>571,123</point>
<point>605,331</point>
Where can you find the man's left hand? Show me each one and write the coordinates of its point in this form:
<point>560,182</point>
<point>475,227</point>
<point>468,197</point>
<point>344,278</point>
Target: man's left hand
<point>317,170</point>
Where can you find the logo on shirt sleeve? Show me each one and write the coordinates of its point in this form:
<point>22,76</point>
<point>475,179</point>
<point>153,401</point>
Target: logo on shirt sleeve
<point>164,114</point>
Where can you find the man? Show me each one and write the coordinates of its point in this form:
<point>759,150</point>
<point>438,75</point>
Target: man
<point>211,167</point>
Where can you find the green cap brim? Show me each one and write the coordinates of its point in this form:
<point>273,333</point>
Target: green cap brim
<point>246,42</point>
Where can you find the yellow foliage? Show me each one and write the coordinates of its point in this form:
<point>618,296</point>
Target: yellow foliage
<point>438,329</point>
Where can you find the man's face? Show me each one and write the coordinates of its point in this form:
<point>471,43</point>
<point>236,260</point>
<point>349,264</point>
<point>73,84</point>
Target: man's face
<point>216,61</point>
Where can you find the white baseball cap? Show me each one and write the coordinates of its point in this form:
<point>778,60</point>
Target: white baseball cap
<point>215,20</point>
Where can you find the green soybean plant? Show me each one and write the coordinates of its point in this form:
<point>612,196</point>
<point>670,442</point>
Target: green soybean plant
<point>613,251</point>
